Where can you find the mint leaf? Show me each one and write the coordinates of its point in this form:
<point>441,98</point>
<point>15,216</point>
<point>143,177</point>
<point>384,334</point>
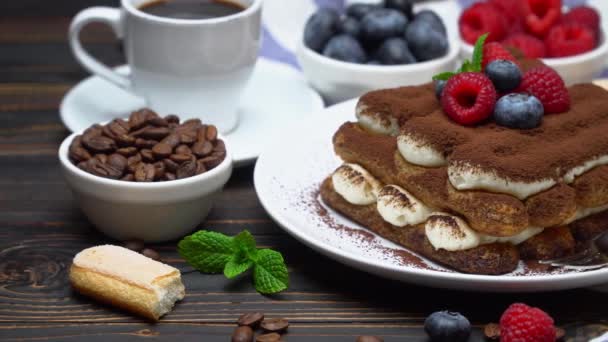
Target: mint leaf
<point>444,76</point>
<point>244,244</point>
<point>207,251</point>
<point>478,53</point>
<point>237,265</point>
<point>270,272</point>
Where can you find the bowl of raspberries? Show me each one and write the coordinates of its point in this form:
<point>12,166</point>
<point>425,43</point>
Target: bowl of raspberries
<point>569,40</point>
<point>371,46</point>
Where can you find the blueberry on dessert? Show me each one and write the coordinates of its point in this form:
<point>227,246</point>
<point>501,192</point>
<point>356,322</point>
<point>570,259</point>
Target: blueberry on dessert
<point>446,326</point>
<point>505,75</point>
<point>522,111</point>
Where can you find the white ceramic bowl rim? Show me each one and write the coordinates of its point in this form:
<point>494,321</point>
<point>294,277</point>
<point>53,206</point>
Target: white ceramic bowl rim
<point>452,54</point>
<point>63,157</point>
<point>602,48</point>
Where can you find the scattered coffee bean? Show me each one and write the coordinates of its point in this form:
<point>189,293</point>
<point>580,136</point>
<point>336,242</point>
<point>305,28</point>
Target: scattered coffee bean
<point>251,319</point>
<point>492,331</point>
<point>242,334</point>
<point>369,339</point>
<point>150,253</point>
<point>559,333</point>
<point>272,337</point>
<point>148,148</point>
<point>135,245</point>
<point>275,324</point>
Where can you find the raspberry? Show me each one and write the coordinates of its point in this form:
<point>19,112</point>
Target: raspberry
<point>531,46</point>
<point>482,18</point>
<point>522,323</point>
<point>541,15</point>
<point>511,9</point>
<point>584,15</point>
<point>469,98</point>
<point>544,83</point>
<point>569,40</point>
<point>494,51</point>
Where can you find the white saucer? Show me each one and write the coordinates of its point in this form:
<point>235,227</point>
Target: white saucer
<point>287,178</point>
<point>277,96</point>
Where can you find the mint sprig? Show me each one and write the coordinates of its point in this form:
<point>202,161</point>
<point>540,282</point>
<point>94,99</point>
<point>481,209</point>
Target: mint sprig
<point>473,65</point>
<point>212,252</point>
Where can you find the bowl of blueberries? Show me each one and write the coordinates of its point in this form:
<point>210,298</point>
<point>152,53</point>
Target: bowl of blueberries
<point>373,46</point>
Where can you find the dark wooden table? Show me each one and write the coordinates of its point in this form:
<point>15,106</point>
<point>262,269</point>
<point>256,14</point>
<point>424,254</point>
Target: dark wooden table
<point>41,229</point>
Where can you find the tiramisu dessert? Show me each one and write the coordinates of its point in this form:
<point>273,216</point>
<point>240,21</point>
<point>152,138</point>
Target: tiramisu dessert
<point>496,163</point>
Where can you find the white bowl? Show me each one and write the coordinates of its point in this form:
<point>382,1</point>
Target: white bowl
<point>581,68</point>
<point>152,212</point>
<point>338,81</point>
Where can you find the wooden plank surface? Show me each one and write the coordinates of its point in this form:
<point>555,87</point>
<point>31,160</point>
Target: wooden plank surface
<point>41,229</point>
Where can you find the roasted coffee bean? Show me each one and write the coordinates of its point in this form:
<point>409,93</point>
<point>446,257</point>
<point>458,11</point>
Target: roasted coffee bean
<point>173,125</point>
<point>128,177</point>
<point>93,131</point>
<point>158,122</point>
<point>211,134</point>
<point>105,170</point>
<point>219,146</point>
<point>99,144</point>
<point>147,155</point>
<point>143,143</point>
<point>161,150</point>
<point>150,253</point>
<point>127,151</point>
<point>137,119</point>
<point>171,140</point>
<point>153,133</point>
<point>124,124</point>
<point>144,172</point>
<point>108,132</point>
<point>272,337</point>
<point>275,324</point>
<point>133,167</point>
<point>171,118</point>
<point>159,170</point>
<point>192,122</point>
<point>187,138</point>
<point>200,167</point>
<point>102,158</point>
<point>134,159</point>
<point>187,169</point>
<point>117,161</point>
<point>201,134</point>
<point>135,245</point>
<point>202,149</point>
<point>181,158</point>
<point>219,154</point>
<point>183,149</point>
<point>76,152</point>
<point>242,334</point>
<point>170,165</point>
<point>211,162</point>
<point>369,339</point>
<point>251,319</point>
<point>86,165</point>
<point>169,176</point>
<point>125,140</point>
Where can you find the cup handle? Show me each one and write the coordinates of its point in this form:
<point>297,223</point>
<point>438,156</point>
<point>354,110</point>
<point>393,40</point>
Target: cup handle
<point>106,15</point>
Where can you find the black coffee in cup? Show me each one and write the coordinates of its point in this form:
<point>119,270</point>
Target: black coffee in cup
<point>191,9</point>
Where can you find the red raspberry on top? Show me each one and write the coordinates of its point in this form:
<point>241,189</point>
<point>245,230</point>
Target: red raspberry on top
<point>468,98</point>
<point>584,15</point>
<point>546,84</point>
<point>479,19</point>
<point>569,39</point>
<point>541,15</point>
<point>522,323</point>
<point>494,51</point>
<point>531,46</point>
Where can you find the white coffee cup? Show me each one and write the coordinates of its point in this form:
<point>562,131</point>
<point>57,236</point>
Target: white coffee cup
<point>196,68</point>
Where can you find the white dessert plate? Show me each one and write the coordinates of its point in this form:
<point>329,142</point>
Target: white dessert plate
<point>276,96</point>
<point>287,178</point>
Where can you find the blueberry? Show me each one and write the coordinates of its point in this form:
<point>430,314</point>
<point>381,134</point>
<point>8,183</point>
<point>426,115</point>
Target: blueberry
<point>358,11</point>
<point>351,27</point>
<point>345,48</point>
<point>381,24</point>
<point>395,51</point>
<point>320,27</point>
<point>447,326</point>
<point>433,19</point>
<point>403,6</point>
<point>522,111</point>
<point>505,75</point>
<point>439,85</point>
<point>425,42</point>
